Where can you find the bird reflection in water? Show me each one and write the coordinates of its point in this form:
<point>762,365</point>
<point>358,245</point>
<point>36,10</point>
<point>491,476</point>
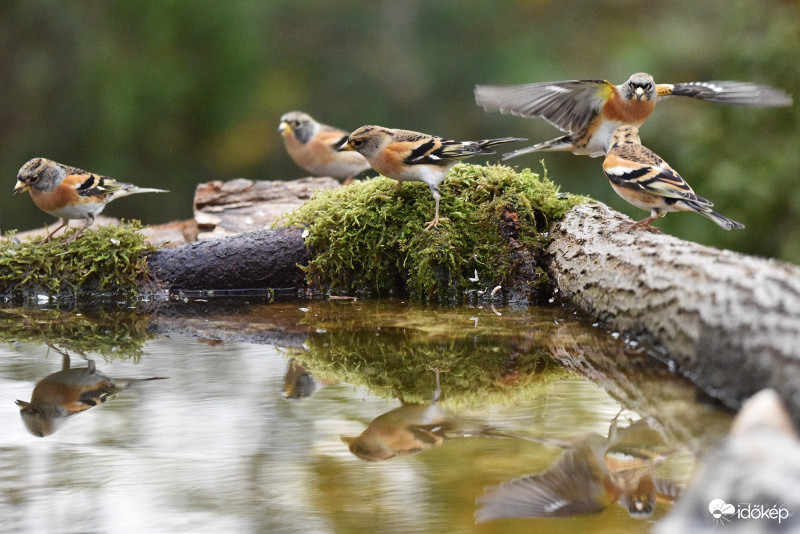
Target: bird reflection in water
<point>590,475</point>
<point>409,429</point>
<point>67,392</point>
<point>298,381</point>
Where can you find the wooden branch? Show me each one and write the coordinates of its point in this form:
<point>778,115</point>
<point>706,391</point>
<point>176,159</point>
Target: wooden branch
<point>731,322</point>
<point>262,259</point>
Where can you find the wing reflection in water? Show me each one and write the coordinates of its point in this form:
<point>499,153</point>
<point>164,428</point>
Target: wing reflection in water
<point>590,475</point>
<point>67,392</point>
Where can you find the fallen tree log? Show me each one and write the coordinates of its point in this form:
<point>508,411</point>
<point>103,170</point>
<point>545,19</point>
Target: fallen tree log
<point>729,321</point>
<point>265,259</point>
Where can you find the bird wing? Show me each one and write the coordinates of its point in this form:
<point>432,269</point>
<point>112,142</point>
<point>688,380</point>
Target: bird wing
<point>568,105</point>
<point>88,184</point>
<point>332,136</point>
<point>637,167</point>
<point>744,94</point>
<point>572,485</point>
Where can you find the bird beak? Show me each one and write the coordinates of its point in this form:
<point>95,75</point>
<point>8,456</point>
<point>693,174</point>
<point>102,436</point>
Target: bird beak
<point>345,147</point>
<point>639,93</point>
<point>20,188</point>
<point>284,128</point>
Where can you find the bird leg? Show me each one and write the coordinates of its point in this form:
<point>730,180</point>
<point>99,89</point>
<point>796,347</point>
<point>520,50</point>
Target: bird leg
<point>87,224</point>
<point>436,219</point>
<point>438,391</point>
<point>64,222</point>
<point>645,223</point>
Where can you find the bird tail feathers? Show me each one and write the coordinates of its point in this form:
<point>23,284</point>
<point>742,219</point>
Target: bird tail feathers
<point>704,210</point>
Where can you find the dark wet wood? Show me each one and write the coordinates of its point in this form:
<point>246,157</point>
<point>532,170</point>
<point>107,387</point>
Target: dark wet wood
<point>729,321</point>
<point>263,259</point>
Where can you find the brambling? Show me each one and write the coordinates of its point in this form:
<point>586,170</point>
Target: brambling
<point>645,180</point>
<point>412,156</point>
<point>409,429</point>
<point>67,392</point>
<point>313,147</point>
<point>590,110</point>
<point>70,193</point>
<point>589,476</point>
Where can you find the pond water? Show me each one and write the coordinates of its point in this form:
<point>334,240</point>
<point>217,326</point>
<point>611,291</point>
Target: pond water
<point>302,416</point>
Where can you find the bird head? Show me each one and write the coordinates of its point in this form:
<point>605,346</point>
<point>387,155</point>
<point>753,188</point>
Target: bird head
<point>640,86</point>
<point>627,133</point>
<point>299,124</point>
<point>39,173</point>
<point>367,140</point>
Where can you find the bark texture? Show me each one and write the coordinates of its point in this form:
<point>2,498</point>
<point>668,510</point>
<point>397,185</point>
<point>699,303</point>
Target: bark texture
<point>731,322</point>
<point>255,260</point>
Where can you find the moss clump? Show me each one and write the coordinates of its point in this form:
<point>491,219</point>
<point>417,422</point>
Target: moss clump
<point>368,238</point>
<point>109,261</point>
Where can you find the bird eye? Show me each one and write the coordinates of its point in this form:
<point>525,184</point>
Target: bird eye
<point>295,123</point>
<point>34,178</point>
<point>357,142</point>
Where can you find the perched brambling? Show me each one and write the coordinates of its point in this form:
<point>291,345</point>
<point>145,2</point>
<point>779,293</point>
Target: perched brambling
<point>313,147</point>
<point>412,156</point>
<point>590,110</point>
<point>645,180</point>
<point>70,193</point>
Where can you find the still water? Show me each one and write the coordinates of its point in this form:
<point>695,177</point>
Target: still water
<point>326,417</point>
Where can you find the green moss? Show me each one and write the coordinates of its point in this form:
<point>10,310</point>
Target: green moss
<point>109,261</point>
<point>368,237</point>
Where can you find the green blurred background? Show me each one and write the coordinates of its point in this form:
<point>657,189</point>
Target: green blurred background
<point>173,93</point>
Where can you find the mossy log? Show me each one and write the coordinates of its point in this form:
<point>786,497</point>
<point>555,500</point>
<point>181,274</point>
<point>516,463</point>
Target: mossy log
<point>729,321</point>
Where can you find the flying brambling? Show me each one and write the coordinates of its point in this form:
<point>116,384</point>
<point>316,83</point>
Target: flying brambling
<point>590,110</point>
<point>645,180</point>
<point>313,147</point>
<point>412,156</point>
<point>70,193</point>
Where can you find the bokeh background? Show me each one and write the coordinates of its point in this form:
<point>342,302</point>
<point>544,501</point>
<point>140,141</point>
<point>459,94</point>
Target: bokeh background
<point>173,93</point>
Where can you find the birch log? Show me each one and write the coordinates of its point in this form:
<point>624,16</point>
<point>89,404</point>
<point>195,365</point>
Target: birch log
<point>729,321</point>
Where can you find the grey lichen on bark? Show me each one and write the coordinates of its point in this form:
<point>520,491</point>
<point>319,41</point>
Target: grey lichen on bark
<point>729,321</point>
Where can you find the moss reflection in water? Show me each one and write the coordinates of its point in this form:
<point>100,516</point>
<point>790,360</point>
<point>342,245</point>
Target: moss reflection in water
<point>481,359</point>
<point>117,334</point>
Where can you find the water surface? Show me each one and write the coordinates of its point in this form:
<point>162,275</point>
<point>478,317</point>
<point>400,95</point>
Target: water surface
<point>251,427</point>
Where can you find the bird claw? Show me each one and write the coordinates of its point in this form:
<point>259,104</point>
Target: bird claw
<point>646,227</point>
<point>435,222</point>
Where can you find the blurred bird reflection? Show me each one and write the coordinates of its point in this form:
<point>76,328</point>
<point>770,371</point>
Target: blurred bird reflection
<point>298,381</point>
<point>67,392</point>
<point>590,475</point>
<point>409,429</point>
